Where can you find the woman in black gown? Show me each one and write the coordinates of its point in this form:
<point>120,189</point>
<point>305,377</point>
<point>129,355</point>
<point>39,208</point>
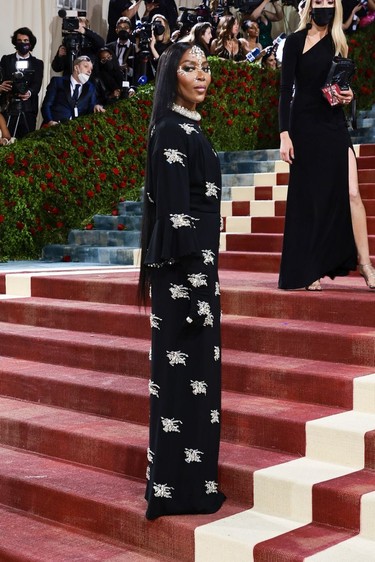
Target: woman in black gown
<point>180,239</point>
<point>325,224</point>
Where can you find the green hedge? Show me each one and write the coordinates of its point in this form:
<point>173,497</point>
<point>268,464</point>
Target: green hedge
<point>57,179</point>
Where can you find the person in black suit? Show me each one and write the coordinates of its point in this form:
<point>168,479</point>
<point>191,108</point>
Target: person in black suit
<point>124,48</point>
<point>68,97</point>
<point>118,8</point>
<point>22,91</point>
<point>82,42</point>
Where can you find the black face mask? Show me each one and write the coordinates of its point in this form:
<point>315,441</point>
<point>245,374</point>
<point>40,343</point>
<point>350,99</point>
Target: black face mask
<point>322,16</point>
<point>108,65</point>
<point>22,48</point>
<point>159,29</point>
<point>123,34</point>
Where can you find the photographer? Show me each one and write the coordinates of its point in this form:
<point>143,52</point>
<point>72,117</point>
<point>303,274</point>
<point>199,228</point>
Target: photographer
<point>81,41</point>
<point>22,79</point>
<point>166,8</point>
<point>110,80</point>
<point>124,48</point>
<point>160,38</point>
<point>264,17</point>
<point>118,9</point>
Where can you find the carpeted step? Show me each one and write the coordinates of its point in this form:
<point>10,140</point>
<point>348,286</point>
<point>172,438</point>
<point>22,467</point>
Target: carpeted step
<point>92,351</point>
<point>366,162</point>
<point>263,299</point>
<point>26,537</point>
<point>94,392</point>
<point>302,543</point>
<point>367,149</point>
<point>364,177</point>
<point>250,261</point>
<point>96,501</point>
<point>97,441</point>
<point>291,378</point>
<point>265,242</point>
<point>369,206</point>
<point>100,287</point>
<point>299,338</point>
<point>111,319</point>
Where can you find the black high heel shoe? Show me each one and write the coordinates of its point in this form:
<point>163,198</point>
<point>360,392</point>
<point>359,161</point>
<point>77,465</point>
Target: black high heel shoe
<point>368,273</point>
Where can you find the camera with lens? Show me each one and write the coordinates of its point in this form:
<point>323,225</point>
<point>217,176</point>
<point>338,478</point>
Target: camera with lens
<point>143,31</point>
<point>73,41</point>
<point>21,78</point>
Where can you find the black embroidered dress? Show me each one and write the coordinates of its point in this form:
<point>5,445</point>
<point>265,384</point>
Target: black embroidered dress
<point>318,235</point>
<point>184,192</point>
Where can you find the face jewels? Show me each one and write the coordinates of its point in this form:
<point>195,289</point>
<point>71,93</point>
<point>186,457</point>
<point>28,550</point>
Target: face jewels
<point>196,52</point>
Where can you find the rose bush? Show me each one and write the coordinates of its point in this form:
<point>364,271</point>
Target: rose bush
<point>57,179</point>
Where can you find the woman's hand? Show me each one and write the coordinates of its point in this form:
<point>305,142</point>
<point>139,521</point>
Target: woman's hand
<point>345,96</point>
<point>286,148</point>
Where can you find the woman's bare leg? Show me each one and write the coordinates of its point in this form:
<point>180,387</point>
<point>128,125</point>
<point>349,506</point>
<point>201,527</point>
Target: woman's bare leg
<point>358,213</point>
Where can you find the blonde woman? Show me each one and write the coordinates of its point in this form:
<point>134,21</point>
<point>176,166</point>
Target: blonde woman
<point>325,226</point>
<point>160,37</point>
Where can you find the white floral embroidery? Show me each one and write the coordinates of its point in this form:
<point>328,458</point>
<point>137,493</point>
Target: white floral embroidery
<point>205,310</point>
<point>208,257</point>
<point>163,491</point>
<point>199,387</point>
<point>152,131</point>
<point>170,425</point>
<point>173,155</point>
<point>153,388</point>
<point>215,416</point>
<point>179,220</point>
<point>217,289</point>
<point>155,321</point>
<point>148,473</point>
<point>221,224</point>
<point>188,128</point>
<point>211,189</point>
<point>193,455</point>
<point>177,358</point>
<point>198,279</point>
<point>150,455</point>
<point>211,487</point>
<point>179,291</point>
<point>150,198</point>
<point>216,352</point>
<point>150,354</point>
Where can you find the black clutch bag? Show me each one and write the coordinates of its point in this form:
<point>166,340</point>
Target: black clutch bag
<point>338,78</point>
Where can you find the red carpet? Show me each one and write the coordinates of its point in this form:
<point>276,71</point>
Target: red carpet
<point>74,408</point>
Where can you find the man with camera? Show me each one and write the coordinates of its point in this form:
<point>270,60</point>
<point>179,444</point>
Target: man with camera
<point>124,48</point>
<point>118,9</point>
<point>68,97</point>
<point>22,76</point>
<point>78,40</point>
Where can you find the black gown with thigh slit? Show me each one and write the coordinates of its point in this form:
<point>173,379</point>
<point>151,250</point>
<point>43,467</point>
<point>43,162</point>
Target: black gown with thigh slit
<point>184,192</point>
<point>318,234</point>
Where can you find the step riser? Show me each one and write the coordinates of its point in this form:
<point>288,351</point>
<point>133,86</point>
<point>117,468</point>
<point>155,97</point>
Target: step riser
<point>87,515</point>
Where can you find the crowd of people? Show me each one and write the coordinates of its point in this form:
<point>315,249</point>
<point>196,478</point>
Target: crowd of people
<point>96,72</point>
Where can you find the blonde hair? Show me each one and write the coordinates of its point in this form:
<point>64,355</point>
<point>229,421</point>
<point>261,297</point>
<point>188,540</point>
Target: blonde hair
<point>167,32</point>
<point>338,36</point>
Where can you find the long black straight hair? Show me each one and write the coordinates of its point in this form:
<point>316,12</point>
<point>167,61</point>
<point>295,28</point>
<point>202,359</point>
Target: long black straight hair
<point>164,95</point>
